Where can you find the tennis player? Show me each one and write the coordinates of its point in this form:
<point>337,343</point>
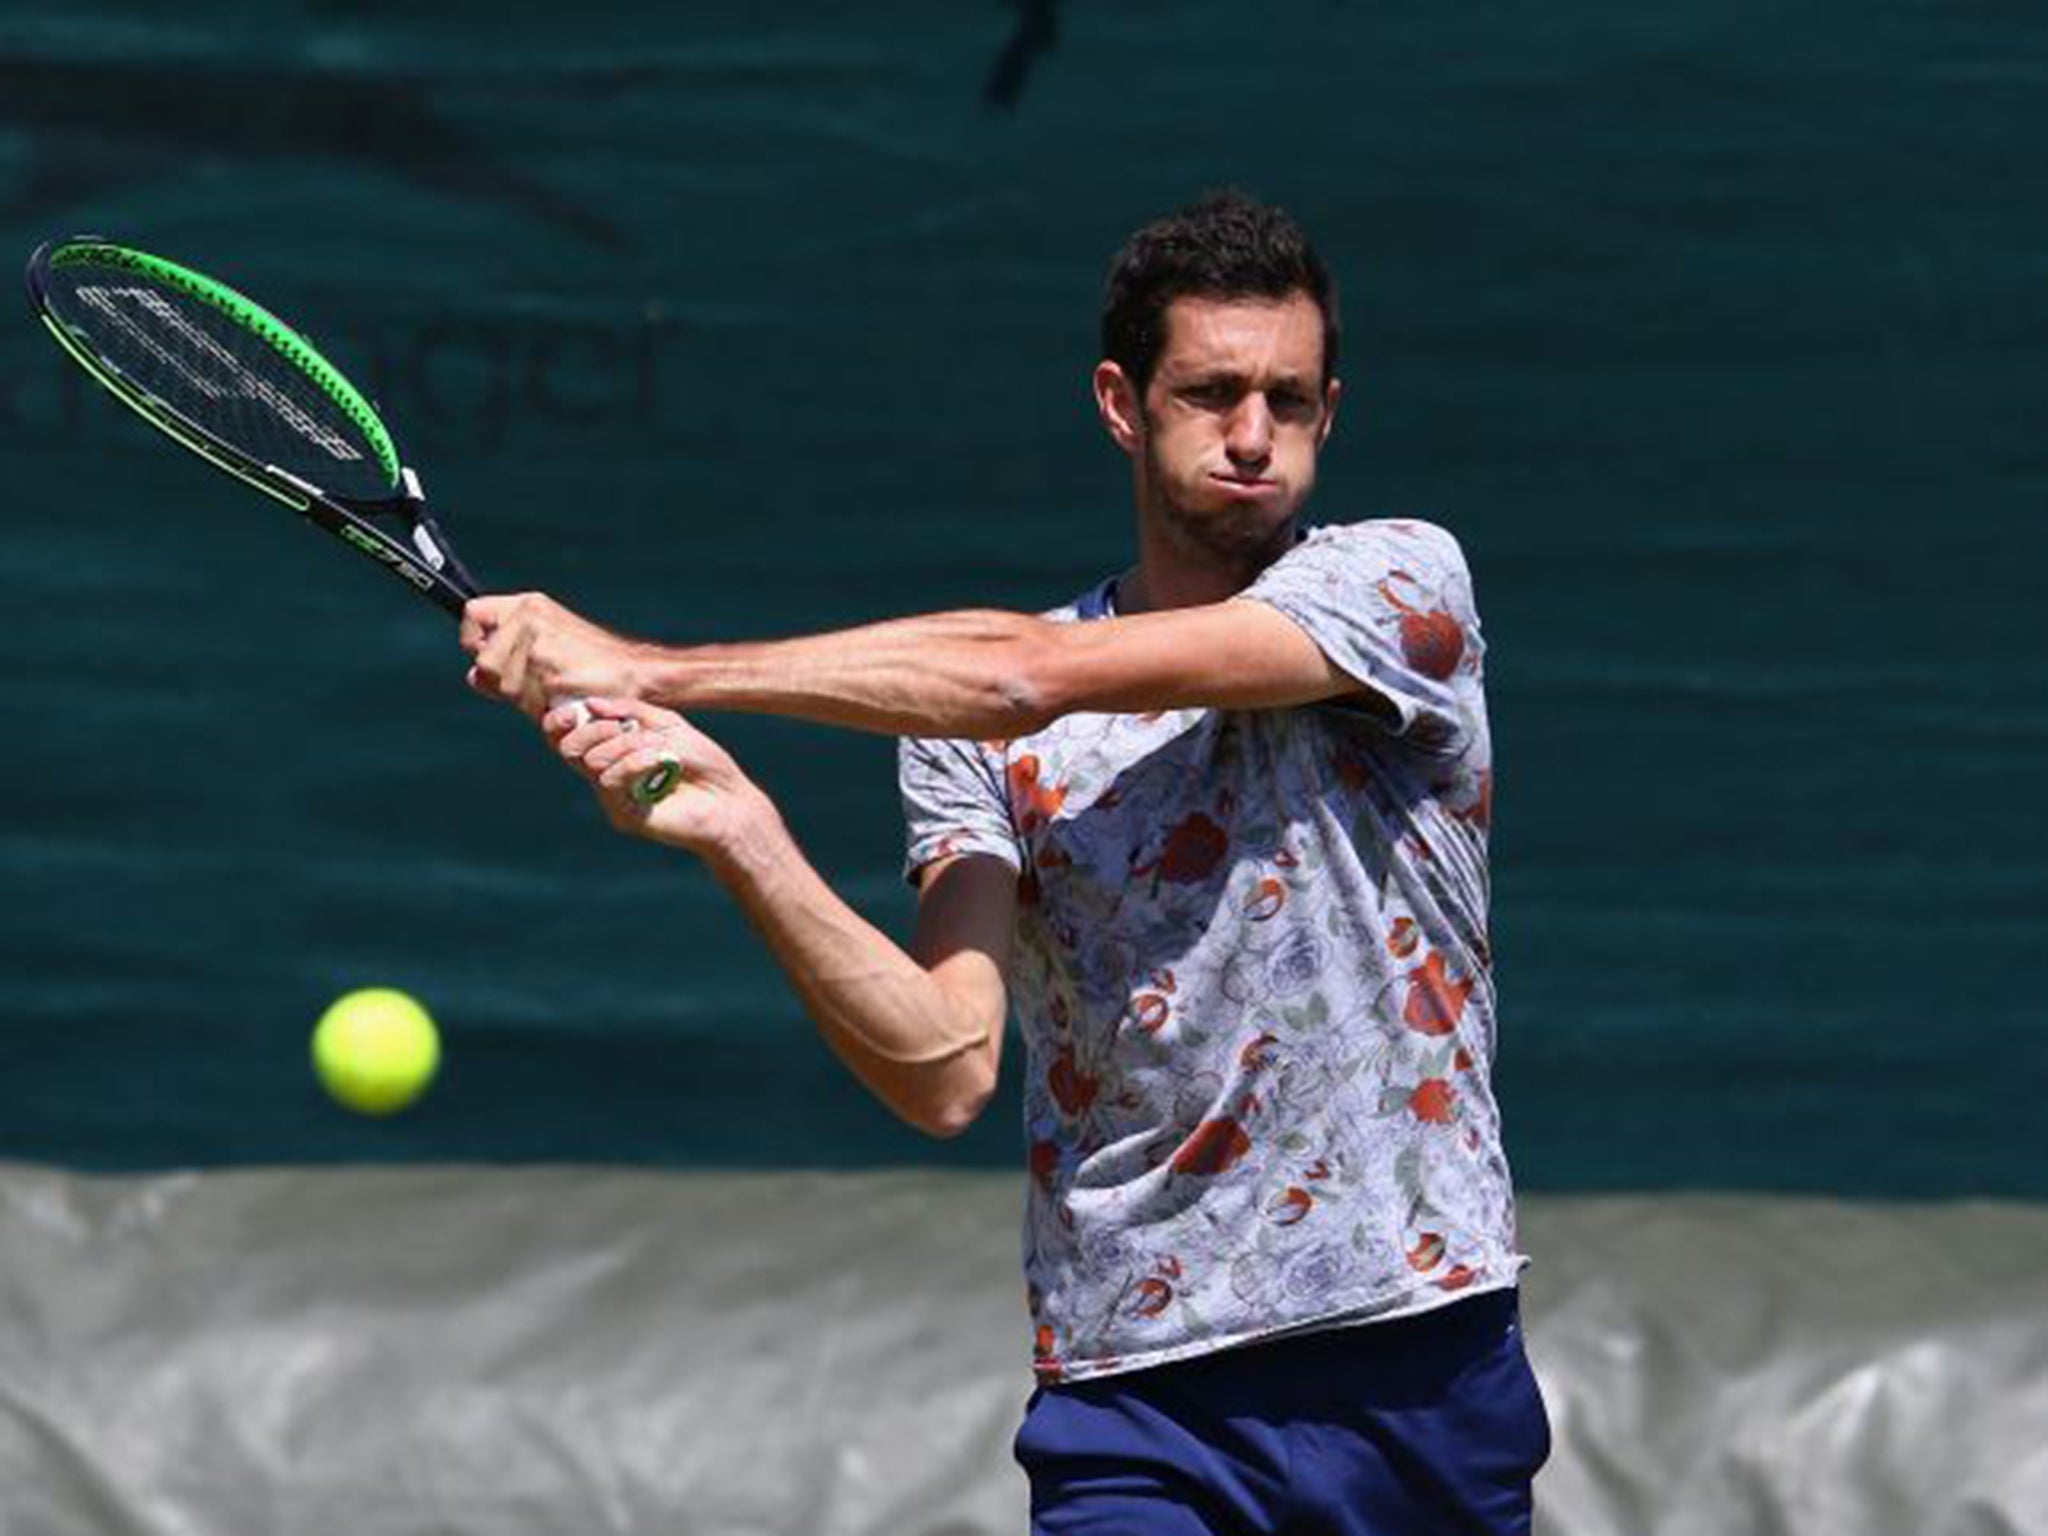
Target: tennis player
<point>1216,832</point>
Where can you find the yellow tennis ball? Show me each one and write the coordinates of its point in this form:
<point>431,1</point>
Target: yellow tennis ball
<point>376,1050</point>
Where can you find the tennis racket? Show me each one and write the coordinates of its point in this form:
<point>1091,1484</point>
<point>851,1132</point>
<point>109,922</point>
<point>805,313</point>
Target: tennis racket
<point>217,373</point>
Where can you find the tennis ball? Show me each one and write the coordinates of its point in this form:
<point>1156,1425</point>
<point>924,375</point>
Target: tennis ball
<point>376,1050</point>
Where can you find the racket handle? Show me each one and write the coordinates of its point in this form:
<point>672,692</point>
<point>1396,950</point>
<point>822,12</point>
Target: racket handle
<point>653,786</point>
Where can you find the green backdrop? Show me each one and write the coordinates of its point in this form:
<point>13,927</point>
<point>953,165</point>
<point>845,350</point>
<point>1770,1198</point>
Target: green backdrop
<point>1715,332</point>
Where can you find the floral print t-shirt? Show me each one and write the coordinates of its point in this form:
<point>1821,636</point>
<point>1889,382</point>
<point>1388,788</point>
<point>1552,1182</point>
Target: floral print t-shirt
<point>1252,978</point>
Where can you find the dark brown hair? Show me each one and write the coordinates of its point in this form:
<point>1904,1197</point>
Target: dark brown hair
<point>1226,245</point>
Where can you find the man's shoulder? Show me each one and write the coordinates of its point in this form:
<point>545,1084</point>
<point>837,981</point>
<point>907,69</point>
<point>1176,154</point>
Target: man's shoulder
<point>1391,534</point>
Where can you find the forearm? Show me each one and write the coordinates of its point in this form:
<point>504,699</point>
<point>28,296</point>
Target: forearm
<point>965,674</point>
<point>912,1044</point>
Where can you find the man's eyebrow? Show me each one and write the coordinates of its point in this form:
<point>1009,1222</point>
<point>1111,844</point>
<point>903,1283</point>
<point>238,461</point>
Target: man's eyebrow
<point>1199,375</point>
<point>1210,373</point>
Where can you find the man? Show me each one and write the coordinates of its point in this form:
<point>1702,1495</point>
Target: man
<point>1217,833</point>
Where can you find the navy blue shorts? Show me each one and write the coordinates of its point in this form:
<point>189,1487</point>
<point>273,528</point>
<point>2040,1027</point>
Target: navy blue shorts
<point>1408,1427</point>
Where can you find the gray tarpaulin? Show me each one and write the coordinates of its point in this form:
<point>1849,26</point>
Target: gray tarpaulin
<point>563,1352</point>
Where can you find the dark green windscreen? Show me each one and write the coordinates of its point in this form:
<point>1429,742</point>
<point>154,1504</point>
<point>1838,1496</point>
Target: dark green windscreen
<point>1717,333</point>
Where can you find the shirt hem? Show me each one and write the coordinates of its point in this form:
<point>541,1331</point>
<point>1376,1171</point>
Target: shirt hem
<point>1412,1304</point>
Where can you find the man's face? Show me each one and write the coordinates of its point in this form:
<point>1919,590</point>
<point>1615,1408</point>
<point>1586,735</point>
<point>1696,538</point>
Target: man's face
<point>1226,436</point>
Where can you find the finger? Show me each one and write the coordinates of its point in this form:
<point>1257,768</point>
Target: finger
<point>492,654</point>
<point>653,716</point>
<point>480,618</point>
<point>511,669</point>
<point>577,746</point>
<point>635,765</point>
<point>619,741</point>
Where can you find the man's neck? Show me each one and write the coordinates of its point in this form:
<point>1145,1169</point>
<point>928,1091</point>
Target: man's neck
<point>1169,576</point>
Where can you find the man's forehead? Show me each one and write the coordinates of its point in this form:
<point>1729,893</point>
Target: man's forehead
<point>1278,336</point>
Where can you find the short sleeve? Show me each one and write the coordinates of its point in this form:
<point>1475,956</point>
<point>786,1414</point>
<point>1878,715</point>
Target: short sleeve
<point>1391,604</point>
<point>953,802</point>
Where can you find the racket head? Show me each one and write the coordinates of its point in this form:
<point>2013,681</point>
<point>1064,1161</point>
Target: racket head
<point>224,377</point>
<point>215,370</point>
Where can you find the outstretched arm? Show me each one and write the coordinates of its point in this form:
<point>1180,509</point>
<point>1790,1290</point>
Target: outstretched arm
<point>968,674</point>
<point>921,1029</point>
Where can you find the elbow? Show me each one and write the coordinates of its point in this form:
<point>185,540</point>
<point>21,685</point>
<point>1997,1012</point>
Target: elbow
<point>965,1095</point>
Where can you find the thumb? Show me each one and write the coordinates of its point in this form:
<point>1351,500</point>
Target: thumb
<point>480,616</point>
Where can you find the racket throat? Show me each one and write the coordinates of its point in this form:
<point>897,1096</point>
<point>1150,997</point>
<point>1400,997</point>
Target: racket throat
<point>428,538</point>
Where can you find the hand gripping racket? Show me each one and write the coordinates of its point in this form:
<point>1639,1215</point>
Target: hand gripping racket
<point>222,376</point>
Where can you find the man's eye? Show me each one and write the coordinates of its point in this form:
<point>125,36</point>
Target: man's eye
<point>1291,406</point>
<point>1209,396</point>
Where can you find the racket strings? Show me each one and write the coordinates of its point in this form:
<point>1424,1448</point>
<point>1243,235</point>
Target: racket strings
<point>213,367</point>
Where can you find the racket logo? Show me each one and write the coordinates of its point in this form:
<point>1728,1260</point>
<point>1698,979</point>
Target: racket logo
<point>369,544</point>
<point>230,382</point>
<point>108,301</point>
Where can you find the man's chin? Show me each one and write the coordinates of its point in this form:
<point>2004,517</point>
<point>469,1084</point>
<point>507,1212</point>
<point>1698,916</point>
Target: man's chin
<point>1235,528</point>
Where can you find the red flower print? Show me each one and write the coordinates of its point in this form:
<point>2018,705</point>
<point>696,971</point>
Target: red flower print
<point>1213,1147</point>
<point>1072,1089</point>
<point>1435,1002</point>
<point>1431,641</point>
<point>1351,770</point>
<point>1462,1061</point>
<point>1266,900</point>
<point>1460,1276</point>
<point>1193,849</point>
<point>1150,1011</point>
<point>1253,1057</point>
<point>1427,1253</point>
<point>1045,1161</point>
<point>1033,803</point>
<point>1290,1205</point>
<point>1154,1295</point>
<point>1045,1361</point>
<point>1403,937</point>
<point>1432,1101</point>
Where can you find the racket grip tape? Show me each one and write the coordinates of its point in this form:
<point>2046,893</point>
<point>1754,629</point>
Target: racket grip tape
<point>653,786</point>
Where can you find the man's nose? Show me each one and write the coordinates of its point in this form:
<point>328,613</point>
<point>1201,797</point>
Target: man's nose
<point>1248,438</point>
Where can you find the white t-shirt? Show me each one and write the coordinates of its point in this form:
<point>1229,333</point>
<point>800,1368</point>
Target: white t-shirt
<point>1252,977</point>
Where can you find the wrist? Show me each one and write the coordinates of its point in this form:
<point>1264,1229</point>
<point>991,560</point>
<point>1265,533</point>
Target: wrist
<point>750,842</point>
<point>637,664</point>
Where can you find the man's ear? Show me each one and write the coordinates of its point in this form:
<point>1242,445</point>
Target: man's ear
<point>1117,401</point>
<point>1331,396</point>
